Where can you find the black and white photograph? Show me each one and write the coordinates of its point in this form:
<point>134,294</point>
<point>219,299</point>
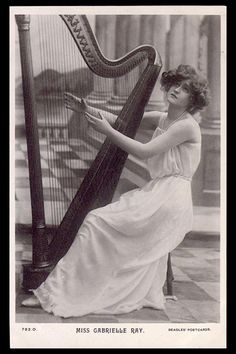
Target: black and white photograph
<point>118,177</point>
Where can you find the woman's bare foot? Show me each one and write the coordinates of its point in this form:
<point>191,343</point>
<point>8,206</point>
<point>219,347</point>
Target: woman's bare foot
<point>31,301</point>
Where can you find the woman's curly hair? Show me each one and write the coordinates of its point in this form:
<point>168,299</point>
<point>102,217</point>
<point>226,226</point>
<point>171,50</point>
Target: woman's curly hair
<point>199,89</point>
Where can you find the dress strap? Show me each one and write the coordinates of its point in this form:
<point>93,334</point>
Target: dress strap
<point>162,119</point>
<point>174,121</point>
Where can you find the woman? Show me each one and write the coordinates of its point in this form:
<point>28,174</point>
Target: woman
<point>117,262</point>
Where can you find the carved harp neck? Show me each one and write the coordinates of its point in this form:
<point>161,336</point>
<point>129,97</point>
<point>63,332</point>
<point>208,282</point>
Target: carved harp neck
<point>83,36</point>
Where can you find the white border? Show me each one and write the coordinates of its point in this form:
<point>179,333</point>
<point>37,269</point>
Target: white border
<point>56,335</point>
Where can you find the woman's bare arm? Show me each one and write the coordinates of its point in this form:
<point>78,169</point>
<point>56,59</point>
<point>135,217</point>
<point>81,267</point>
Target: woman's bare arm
<point>79,105</point>
<point>180,132</point>
<point>150,118</point>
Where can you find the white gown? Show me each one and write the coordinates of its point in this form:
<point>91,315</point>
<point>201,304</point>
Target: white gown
<point>118,260</point>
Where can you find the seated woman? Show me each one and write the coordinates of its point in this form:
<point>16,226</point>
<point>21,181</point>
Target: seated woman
<point>117,262</point>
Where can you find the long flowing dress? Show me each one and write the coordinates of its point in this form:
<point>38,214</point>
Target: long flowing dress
<point>117,262</point>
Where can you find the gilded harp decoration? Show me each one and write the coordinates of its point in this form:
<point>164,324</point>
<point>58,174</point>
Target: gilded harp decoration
<point>101,179</point>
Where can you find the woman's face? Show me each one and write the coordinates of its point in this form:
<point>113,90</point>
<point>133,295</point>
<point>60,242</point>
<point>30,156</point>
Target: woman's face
<point>179,94</point>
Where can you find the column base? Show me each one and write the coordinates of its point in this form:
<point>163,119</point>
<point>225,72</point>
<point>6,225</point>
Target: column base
<point>156,106</point>
<point>118,100</point>
<point>116,103</point>
<point>98,99</point>
<point>206,181</point>
<point>212,123</point>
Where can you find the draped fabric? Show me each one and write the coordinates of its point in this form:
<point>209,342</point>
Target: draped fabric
<point>180,160</point>
<point>93,185</point>
<point>117,262</point>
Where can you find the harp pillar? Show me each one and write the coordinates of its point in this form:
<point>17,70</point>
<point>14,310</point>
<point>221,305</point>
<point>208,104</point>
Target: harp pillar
<point>39,239</point>
<point>127,38</point>
<point>105,30</point>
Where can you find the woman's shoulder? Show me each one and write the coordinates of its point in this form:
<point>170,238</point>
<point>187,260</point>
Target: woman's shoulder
<point>162,117</point>
<point>194,123</point>
<point>188,126</point>
<point>189,121</point>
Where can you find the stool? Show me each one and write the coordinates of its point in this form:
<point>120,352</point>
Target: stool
<point>169,280</point>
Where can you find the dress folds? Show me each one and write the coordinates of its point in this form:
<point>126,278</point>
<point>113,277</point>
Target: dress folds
<point>117,262</point>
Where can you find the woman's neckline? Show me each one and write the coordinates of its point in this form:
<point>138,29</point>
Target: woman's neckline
<point>174,121</point>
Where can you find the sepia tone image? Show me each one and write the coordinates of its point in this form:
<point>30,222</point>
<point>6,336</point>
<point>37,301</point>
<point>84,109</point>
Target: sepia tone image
<point>117,168</point>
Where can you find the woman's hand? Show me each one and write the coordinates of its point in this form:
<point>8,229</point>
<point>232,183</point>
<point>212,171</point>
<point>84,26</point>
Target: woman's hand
<point>79,105</point>
<point>74,103</point>
<point>100,124</point>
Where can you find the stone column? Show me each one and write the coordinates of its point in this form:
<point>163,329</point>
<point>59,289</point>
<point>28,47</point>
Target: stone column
<point>184,40</point>
<point>105,34</point>
<point>212,116</point>
<point>206,186</point>
<point>191,40</point>
<point>176,45</point>
<point>153,31</point>
<point>127,38</point>
<point>203,43</point>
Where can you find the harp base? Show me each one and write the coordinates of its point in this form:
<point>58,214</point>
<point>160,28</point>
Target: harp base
<point>32,276</point>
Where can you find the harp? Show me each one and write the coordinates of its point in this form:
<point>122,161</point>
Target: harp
<point>99,184</point>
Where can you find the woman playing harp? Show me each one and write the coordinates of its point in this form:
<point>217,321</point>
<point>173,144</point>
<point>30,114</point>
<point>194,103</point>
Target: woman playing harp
<point>117,262</point>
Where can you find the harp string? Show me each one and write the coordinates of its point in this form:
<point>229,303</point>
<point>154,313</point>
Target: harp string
<point>85,139</point>
<point>68,81</point>
<point>61,172</point>
<point>47,65</point>
<point>61,119</point>
<point>58,43</point>
<point>68,54</point>
<point>72,53</point>
<point>55,117</point>
<point>50,115</point>
<point>43,104</point>
<point>65,174</point>
<point>60,53</point>
<point>51,56</point>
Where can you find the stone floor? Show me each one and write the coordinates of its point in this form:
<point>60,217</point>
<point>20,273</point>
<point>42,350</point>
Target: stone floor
<point>196,267</point>
<point>63,167</point>
<point>196,262</point>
